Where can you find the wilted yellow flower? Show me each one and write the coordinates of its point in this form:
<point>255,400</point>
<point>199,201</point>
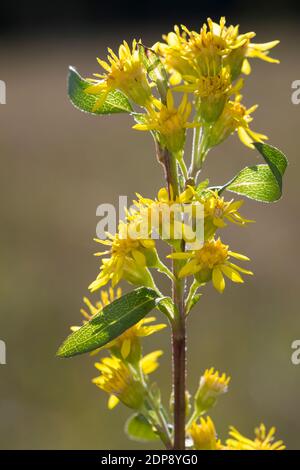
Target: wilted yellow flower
<point>211,262</point>
<point>168,121</point>
<point>263,440</point>
<point>125,72</point>
<point>212,385</point>
<point>235,117</point>
<point>122,382</point>
<point>129,258</point>
<point>204,435</point>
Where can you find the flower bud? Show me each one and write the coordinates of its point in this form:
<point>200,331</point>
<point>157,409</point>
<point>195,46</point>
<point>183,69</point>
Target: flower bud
<point>211,386</point>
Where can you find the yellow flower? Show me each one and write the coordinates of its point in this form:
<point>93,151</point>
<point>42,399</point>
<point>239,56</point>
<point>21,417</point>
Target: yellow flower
<point>122,382</point>
<point>212,262</point>
<point>263,440</point>
<point>129,258</point>
<point>172,54</point>
<point>118,379</point>
<point>260,51</point>
<point>127,345</point>
<point>167,197</point>
<point>106,297</point>
<point>214,381</point>
<point>168,121</point>
<point>125,72</point>
<point>212,385</point>
<point>204,435</point>
<point>216,210</point>
<point>188,52</point>
<point>213,92</point>
<point>235,117</point>
<point>163,215</point>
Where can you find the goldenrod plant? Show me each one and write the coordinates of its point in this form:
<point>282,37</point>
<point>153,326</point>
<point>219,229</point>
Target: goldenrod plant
<point>190,82</point>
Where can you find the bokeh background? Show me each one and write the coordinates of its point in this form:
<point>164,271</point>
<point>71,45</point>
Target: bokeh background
<point>58,165</point>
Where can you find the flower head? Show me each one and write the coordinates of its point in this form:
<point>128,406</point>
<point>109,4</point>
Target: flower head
<point>124,72</point>
<point>212,385</point>
<point>168,121</point>
<point>163,215</point>
<point>204,53</point>
<point>118,379</point>
<point>212,261</point>
<point>263,440</point>
<point>204,435</point>
<point>129,257</point>
<point>217,210</point>
<point>127,345</point>
<point>214,381</point>
<point>121,381</point>
<point>235,117</point>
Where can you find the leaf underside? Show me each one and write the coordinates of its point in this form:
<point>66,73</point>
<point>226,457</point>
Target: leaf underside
<point>115,102</point>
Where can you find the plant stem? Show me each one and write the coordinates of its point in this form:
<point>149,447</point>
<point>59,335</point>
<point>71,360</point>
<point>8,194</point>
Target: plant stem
<point>178,324</point>
<point>162,428</point>
<point>199,149</point>
<point>179,365</point>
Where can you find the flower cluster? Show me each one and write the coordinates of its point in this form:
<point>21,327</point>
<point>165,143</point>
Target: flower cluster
<point>205,65</point>
<point>208,64</point>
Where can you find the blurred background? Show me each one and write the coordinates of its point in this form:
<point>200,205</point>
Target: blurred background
<point>58,165</point>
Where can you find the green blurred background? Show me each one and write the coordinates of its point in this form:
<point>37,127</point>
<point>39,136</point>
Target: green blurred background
<point>57,166</point>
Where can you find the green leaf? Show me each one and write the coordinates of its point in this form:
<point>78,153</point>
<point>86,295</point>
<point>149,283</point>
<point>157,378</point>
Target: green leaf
<point>110,322</point>
<point>166,306</point>
<point>202,187</point>
<point>138,428</point>
<point>195,299</point>
<point>116,101</point>
<point>276,160</point>
<point>256,182</point>
<point>261,182</point>
<point>155,69</point>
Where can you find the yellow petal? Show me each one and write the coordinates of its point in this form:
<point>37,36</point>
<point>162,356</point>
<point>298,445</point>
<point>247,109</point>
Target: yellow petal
<point>190,268</point>
<point>125,348</point>
<point>246,67</point>
<point>149,362</point>
<point>242,270</point>
<point>245,138</point>
<point>231,273</point>
<point>139,258</point>
<point>112,402</point>
<point>218,280</point>
<point>179,256</point>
